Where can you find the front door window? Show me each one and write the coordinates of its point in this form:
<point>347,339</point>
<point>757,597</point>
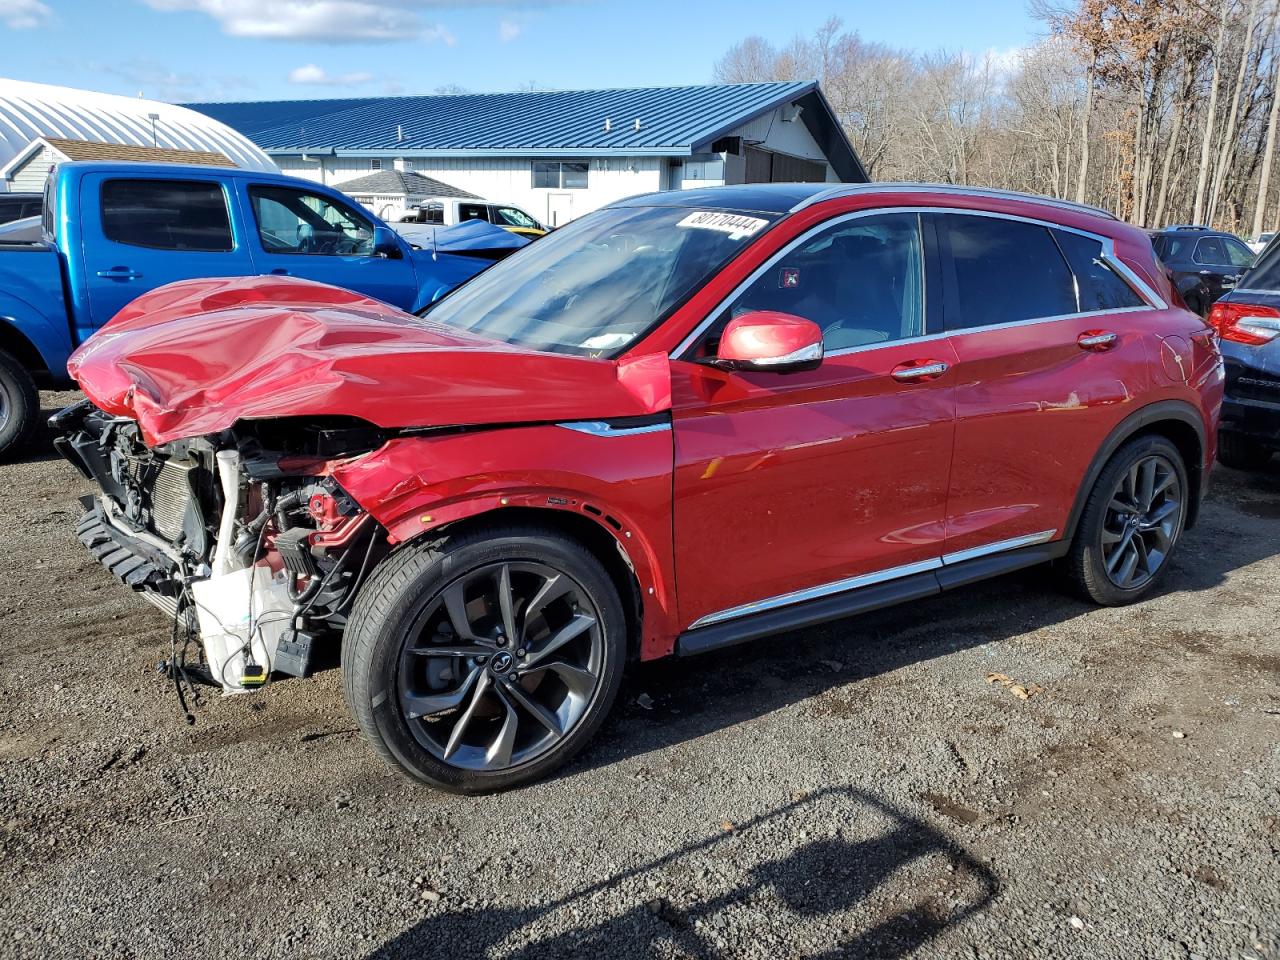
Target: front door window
<point>296,222</point>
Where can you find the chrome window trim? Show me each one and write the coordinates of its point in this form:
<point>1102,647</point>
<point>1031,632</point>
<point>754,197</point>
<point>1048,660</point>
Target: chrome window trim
<point>1267,290</point>
<point>1153,300</point>
<point>853,189</point>
<point>600,428</point>
<point>871,579</point>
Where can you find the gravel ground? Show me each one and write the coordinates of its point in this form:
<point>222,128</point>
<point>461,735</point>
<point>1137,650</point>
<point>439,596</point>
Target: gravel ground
<point>859,790</point>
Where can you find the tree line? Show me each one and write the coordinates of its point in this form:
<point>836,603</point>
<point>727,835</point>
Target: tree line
<point>1164,112</point>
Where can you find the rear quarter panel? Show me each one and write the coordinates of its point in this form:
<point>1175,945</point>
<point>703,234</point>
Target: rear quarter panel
<point>33,304</point>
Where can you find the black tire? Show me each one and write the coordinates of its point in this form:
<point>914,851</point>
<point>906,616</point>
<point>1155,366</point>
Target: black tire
<point>19,406</point>
<point>1241,453</point>
<point>393,613</point>
<point>1087,563</point>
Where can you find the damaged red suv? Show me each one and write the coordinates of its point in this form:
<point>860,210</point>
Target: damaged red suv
<point>681,422</point>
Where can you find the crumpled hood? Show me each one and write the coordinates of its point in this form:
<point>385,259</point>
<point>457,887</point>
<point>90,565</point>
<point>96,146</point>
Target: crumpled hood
<point>194,357</point>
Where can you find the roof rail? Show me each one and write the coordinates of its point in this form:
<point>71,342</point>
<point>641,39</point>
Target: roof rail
<point>852,189</point>
<point>1188,226</point>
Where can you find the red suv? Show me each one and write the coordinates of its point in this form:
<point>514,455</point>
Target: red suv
<point>681,422</point>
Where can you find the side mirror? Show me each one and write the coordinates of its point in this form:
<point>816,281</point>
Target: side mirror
<point>769,341</point>
<point>385,243</point>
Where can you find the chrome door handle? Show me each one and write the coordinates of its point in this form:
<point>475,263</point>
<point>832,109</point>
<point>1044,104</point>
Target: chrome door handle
<point>929,370</point>
<point>1096,340</point>
<point>120,273</point>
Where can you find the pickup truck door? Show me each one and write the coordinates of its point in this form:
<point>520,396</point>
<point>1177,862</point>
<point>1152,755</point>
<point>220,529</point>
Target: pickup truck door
<point>301,233</point>
<point>140,233</point>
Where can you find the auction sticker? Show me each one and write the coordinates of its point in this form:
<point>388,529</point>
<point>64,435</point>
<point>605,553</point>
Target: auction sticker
<point>734,224</point>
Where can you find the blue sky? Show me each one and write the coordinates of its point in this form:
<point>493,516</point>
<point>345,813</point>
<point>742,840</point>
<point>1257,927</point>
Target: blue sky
<point>268,49</point>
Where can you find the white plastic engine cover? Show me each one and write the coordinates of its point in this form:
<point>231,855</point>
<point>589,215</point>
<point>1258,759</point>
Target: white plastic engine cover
<point>222,605</point>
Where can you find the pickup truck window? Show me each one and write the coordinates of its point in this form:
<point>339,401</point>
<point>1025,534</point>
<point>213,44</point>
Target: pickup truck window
<point>472,211</point>
<point>294,221</point>
<point>166,215</point>
<point>514,217</point>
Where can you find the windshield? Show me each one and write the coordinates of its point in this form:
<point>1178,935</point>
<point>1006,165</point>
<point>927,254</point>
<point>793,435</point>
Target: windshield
<point>594,286</point>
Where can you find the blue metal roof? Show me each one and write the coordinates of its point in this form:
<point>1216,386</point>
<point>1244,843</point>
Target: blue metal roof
<point>671,120</point>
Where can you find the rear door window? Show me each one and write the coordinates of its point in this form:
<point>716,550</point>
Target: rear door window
<point>1004,271</point>
<point>1098,287</point>
<point>166,215</point>
<point>472,211</point>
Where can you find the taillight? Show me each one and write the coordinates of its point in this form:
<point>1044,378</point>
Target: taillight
<point>1245,322</point>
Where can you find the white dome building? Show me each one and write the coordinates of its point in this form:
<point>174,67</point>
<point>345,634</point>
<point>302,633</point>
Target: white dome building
<point>31,112</point>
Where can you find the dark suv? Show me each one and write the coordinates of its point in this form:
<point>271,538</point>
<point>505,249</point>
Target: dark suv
<point>1203,263</point>
<point>1248,323</point>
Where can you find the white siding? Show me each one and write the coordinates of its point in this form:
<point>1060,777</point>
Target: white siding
<point>29,177</point>
<point>503,179</point>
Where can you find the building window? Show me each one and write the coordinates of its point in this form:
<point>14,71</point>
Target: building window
<point>375,164</point>
<point>555,175</point>
<point>407,165</point>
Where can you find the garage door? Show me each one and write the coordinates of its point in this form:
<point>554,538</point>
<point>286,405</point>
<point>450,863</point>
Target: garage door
<point>765,166</point>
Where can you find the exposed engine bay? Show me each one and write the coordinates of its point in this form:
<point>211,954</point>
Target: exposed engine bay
<point>240,537</point>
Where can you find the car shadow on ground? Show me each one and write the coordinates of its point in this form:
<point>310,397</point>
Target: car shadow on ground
<point>817,878</point>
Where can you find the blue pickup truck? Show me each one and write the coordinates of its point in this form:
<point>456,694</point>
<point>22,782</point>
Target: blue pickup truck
<point>113,231</point>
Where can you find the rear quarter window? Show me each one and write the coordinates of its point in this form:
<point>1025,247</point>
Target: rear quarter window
<point>1266,273</point>
<point>1098,286</point>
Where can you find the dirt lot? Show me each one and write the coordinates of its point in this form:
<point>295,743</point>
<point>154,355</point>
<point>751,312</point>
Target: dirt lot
<point>859,790</point>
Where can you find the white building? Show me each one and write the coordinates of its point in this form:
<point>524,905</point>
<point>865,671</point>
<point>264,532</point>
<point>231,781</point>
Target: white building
<point>33,115</point>
<point>559,154</point>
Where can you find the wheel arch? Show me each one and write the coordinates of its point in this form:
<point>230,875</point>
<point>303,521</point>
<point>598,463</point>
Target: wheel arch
<point>582,529</point>
<point>19,346</point>
<point>1175,420</point>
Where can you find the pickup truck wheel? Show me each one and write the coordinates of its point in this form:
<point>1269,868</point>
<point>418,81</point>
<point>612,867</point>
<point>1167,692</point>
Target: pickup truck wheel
<point>485,660</point>
<point>19,405</point>
<point>1241,453</point>
<point>1131,523</point>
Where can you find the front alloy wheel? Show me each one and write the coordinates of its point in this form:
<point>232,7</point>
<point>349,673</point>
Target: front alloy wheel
<point>502,665</point>
<point>484,660</point>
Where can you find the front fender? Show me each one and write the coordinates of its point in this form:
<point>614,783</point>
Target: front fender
<point>620,480</point>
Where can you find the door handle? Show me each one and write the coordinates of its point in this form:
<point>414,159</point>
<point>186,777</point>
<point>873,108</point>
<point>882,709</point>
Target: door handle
<point>1096,340</point>
<point>919,371</point>
<point>120,273</point>
<point>279,272</point>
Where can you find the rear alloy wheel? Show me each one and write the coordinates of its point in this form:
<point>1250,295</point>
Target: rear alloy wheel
<point>1131,523</point>
<point>479,663</point>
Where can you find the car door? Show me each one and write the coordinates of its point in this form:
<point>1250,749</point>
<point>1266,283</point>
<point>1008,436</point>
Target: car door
<point>1048,362</point>
<point>300,233</point>
<point>1221,262</point>
<point>822,480</point>
<point>147,232</point>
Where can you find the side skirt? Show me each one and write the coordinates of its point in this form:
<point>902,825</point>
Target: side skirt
<point>864,599</point>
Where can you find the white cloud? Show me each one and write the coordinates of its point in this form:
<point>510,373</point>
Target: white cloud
<point>24,14</point>
<point>312,75</point>
<point>508,30</point>
<point>332,21</point>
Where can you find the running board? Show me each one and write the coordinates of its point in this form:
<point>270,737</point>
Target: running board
<point>916,586</point>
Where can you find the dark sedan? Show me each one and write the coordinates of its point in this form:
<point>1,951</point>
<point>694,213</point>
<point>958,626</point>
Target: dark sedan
<point>1203,263</point>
